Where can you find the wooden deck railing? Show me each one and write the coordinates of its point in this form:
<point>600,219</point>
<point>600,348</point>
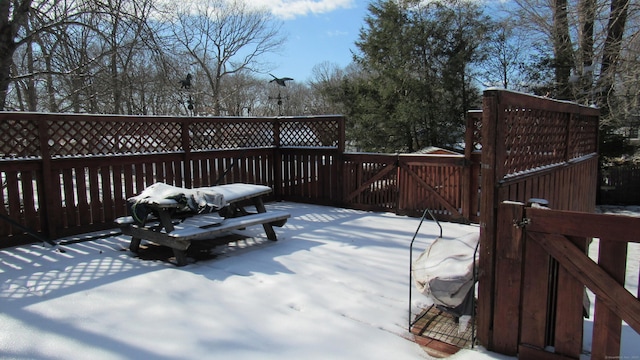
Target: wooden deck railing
<point>547,261</point>
<point>66,174</point>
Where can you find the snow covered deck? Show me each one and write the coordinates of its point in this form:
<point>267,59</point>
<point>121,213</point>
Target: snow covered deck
<point>334,286</point>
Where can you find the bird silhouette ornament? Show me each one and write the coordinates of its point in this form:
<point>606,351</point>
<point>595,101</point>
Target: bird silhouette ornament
<point>186,82</point>
<point>280,81</point>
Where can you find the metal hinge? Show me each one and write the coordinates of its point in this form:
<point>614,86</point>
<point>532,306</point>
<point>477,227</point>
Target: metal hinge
<point>522,223</point>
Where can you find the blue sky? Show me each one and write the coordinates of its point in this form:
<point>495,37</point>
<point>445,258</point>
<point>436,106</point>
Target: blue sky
<point>316,31</point>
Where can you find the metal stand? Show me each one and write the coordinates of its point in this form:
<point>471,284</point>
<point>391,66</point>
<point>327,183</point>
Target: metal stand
<point>471,295</point>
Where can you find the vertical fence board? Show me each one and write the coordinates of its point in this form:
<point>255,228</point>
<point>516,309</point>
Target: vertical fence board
<point>69,198</point>
<point>31,219</point>
<point>107,193</point>
<point>83,203</point>
<point>568,324</point>
<point>534,298</point>
<point>607,325</point>
<point>509,246</point>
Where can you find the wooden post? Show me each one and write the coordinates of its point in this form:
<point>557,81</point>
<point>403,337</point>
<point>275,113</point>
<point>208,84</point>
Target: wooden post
<point>186,160</point>
<point>277,161</point>
<point>508,277</point>
<point>49,212</point>
<point>486,274</point>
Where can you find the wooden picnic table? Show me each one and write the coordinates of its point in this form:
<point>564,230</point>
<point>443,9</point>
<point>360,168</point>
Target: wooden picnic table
<point>178,230</point>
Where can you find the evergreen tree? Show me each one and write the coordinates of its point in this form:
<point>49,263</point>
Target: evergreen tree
<point>415,86</point>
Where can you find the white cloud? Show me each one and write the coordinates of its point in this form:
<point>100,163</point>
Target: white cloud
<point>337,33</point>
<point>289,9</point>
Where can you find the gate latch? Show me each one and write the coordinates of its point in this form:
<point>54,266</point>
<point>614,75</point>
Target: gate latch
<point>522,223</point>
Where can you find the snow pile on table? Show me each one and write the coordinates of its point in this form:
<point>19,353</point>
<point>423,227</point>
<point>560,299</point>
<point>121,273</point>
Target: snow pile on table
<point>196,200</point>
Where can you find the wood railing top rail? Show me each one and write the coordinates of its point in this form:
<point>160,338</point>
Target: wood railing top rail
<point>581,224</point>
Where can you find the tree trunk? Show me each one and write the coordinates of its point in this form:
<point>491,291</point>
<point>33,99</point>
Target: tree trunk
<point>611,52</point>
<point>587,15</point>
<point>19,10</point>
<point>562,49</point>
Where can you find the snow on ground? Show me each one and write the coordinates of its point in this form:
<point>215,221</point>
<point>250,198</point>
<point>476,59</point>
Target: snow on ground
<point>335,286</point>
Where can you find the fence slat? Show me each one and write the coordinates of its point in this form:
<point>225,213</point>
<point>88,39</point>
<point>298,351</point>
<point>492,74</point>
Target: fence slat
<point>569,311</point>
<point>607,326</point>
<point>613,295</point>
<point>535,285</point>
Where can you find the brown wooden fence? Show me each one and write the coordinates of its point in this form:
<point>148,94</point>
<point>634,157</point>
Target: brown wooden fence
<point>66,174</point>
<point>533,147</point>
<point>620,185</point>
<point>560,237</point>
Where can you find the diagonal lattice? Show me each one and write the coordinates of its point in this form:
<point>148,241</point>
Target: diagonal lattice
<point>310,133</point>
<point>17,139</point>
<point>110,137</point>
<point>533,139</point>
<point>230,135</point>
<point>582,141</point>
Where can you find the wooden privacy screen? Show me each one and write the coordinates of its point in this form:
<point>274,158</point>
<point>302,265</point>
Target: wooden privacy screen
<point>532,147</point>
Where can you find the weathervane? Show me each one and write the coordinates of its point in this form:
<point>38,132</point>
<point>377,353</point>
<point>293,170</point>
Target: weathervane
<point>280,82</point>
<point>186,85</point>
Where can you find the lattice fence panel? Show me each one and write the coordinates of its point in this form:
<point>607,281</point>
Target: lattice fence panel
<point>230,135</point>
<point>78,138</point>
<point>583,139</point>
<point>534,139</point>
<point>17,139</point>
<point>325,133</point>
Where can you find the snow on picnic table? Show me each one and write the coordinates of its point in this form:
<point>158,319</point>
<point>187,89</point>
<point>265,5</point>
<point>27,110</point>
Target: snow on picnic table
<point>335,286</point>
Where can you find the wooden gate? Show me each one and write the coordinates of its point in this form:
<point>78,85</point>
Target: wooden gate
<point>408,184</point>
<point>545,268</point>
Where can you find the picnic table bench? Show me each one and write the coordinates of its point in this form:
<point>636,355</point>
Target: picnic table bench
<point>177,230</point>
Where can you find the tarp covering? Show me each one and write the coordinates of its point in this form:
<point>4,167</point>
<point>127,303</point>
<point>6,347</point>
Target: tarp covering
<point>444,271</point>
<point>196,200</point>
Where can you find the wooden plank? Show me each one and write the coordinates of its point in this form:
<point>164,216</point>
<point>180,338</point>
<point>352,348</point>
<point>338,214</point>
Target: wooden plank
<point>607,326</point>
<point>28,202</point>
<point>128,182</point>
<point>202,227</point>
<point>580,224</point>
<point>569,310</point>
<point>54,211</point>
<point>535,287</point>
<point>386,170</point>
<point>120,205</point>
<point>107,193</point>
<point>83,203</point>
<point>94,194</point>
<point>13,194</point>
<point>69,198</point>
<point>612,294</point>
<point>526,352</point>
<point>509,247</point>
<point>486,263</point>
